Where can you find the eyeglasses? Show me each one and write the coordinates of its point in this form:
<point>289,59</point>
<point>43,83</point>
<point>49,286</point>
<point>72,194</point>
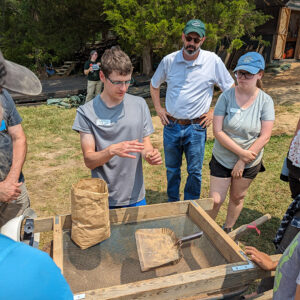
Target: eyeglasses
<point>240,74</point>
<point>189,39</point>
<point>126,82</point>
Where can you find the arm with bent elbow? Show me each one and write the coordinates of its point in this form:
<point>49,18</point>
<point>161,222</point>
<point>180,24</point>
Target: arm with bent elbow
<point>94,159</point>
<point>245,155</point>
<point>264,137</point>
<point>19,152</point>
<point>87,71</point>
<point>9,188</point>
<point>150,154</point>
<point>161,111</point>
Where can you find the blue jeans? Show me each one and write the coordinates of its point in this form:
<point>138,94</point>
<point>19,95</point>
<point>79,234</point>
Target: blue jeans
<point>189,139</point>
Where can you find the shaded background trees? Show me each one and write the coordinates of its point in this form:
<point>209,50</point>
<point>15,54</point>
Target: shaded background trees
<point>40,30</point>
<point>35,31</point>
<point>149,26</point>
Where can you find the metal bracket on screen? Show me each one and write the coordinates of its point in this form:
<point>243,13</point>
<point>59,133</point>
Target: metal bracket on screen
<point>248,266</point>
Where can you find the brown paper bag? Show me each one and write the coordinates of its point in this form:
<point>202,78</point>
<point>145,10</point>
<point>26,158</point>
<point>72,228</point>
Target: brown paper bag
<point>90,212</point>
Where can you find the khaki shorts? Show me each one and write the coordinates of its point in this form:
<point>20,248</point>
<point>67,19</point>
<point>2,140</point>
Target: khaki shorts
<point>9,211</point>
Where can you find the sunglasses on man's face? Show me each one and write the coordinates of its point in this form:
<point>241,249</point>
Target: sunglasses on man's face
<point>189,39</point>
<point>240,74</point>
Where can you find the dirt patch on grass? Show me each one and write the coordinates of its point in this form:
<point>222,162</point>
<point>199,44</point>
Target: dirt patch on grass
<point>284,87</point>
<point>286,119</point>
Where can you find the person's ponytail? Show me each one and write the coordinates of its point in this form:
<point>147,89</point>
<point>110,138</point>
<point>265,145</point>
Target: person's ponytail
<point>259,84</point>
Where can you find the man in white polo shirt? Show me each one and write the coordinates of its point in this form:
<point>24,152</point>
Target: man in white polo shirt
<point>190,74</point>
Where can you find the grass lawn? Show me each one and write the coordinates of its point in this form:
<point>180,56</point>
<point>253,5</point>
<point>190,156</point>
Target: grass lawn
<point>54,162</point>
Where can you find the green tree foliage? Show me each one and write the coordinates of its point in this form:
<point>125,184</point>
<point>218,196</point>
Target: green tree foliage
<point>37,30</point>
<point>147,26</point>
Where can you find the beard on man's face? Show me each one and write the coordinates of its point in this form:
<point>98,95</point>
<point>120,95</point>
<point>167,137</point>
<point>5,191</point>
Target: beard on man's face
<point>191,49</point>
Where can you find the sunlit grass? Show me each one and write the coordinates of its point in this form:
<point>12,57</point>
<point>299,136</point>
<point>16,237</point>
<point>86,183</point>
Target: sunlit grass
<point>54,162</point>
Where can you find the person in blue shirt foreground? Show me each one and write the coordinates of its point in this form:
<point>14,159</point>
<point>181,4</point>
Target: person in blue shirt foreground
<point>29,274</point>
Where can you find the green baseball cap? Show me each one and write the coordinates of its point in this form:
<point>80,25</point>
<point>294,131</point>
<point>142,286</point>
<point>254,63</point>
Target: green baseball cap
<point>195,26</point>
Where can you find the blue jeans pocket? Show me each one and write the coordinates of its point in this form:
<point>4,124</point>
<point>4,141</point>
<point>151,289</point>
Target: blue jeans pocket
<point>170,125</point>
<point>199,132</point>
<point>198,127</point>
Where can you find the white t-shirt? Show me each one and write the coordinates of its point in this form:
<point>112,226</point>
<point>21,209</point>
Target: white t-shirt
<point>294,152</point>
<point>191,83</point>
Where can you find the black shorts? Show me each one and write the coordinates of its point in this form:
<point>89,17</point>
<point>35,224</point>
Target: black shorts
<point>217,170</point>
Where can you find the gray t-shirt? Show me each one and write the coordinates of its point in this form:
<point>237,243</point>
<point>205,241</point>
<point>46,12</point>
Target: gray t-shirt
<point>243,126</point>
<point>288,272</point>
<point>11,118</point>
<point>129,120</point>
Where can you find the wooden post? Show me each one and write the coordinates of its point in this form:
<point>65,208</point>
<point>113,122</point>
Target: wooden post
<point>282,32</point>
<point>58,241</point>
<point>229,249</point>
<point>297,48</point>
<point>180,286</point>
<point>131,214</point>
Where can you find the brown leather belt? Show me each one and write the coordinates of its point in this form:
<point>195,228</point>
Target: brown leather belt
<point>185,121</point>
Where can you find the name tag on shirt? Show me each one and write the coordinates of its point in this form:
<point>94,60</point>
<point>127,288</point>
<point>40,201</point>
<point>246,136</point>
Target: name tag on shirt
<point>103,122</point>
<point>235,110</point>
<point>96,67</point>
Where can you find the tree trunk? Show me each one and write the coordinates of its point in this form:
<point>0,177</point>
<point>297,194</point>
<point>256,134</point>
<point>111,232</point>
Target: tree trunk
<point>147,62</point>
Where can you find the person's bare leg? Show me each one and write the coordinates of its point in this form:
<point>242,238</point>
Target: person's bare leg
<point>238,191</point>
<point>218,190</point>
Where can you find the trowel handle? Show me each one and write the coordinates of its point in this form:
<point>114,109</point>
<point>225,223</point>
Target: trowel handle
<point>190,237</point>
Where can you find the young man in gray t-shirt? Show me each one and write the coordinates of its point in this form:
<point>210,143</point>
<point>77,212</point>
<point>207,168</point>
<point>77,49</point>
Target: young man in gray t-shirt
<point>115,130</point>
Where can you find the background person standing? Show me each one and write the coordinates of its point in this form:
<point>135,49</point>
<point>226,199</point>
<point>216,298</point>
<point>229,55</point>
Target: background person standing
<point>92,70</point>
<point>191,74</point>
